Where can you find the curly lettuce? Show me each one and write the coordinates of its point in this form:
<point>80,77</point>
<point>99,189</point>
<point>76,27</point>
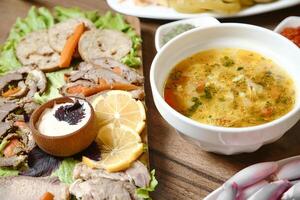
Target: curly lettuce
<point>65,170</point>
<point>145,192</point>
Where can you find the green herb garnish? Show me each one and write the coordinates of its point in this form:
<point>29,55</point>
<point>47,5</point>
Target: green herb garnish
<point>227,62</point>
<point>195,106</point>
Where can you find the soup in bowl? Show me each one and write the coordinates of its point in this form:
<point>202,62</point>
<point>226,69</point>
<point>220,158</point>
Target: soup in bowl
<point>228,88</point>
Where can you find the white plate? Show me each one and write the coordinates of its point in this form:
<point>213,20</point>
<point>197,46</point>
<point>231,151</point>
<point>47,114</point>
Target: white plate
<point>159,12</point>
<point>214,195</point>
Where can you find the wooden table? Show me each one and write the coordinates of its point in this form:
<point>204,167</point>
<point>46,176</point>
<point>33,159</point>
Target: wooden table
<point>183,170</point>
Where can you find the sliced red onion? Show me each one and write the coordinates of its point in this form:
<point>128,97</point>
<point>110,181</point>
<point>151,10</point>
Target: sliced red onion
<point>271,191</point>
<point>293,193</point>
<point>252,189</point>
<point>253,174</point>
<point>289,171</point>
<point>229,192</point>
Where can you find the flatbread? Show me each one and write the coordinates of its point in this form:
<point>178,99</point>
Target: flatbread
<point>99,43</point>
<point>34,50</point>
<point>59,33</point>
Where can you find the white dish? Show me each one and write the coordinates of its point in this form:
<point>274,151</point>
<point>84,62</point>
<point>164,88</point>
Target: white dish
<point>220,139</point>
<point>214,195</point>
<point>202,21</point>
<point>159,12</point>
<point>291,21</point>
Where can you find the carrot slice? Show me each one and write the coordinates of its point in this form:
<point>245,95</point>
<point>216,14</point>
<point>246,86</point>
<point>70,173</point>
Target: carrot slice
<point>169,98</point>
<point>70,46</point>
<point>88,91</point>
<point>11,91</point>
<point>117,70</point>
<point>9,149</point>
<point>20,124</point>
<point>47,196</point>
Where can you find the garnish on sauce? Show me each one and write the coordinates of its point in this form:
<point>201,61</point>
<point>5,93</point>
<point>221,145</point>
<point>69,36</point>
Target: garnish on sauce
<point>230,87</point>
<point>70,113</point>
<point>65,117</point>
<point>292,34</point>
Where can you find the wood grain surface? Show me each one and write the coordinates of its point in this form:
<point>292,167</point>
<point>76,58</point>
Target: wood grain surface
<point>183,170</point>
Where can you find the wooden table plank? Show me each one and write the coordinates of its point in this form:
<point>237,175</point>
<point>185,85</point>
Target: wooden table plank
<point>183,170</point>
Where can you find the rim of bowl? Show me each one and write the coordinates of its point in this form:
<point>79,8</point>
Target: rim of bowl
<point>187,120</point>
<point>32,124</point>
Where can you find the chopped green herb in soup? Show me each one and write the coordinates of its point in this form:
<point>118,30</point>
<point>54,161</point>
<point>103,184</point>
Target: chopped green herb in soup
<point>230,88</point>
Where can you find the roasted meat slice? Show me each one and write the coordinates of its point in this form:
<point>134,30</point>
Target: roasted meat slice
<point>137,173</point>
<point>14,161</point>
<point>4,80</point>
<point>32,188</point>
<point>100,43</point>
<point>7,107</point>
<point>90,79</point>
<point>15,144</point>
<point>34,50</point>
<point>25,81</point>
<point>103,189</point>
<point>119,68</point>
<point>88,82</point>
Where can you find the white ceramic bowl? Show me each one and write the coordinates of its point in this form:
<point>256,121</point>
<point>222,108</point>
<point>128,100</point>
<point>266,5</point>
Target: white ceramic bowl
<point>220,139</point>
<point>292,21</point>
<point>202,21</point>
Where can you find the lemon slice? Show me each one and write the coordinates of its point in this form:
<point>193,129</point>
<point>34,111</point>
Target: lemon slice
<point>119,145</point>
<point>119,107</point>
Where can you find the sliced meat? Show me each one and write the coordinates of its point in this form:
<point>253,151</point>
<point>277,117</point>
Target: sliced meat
<point>7,107</point>
<point>33,80</point>
<point>4,128</point>
<point>22,91</point>
<point>99,43</point>
<point>64,90</point>
<point>103,189</point>
<point>122,70</point>
<point>82,171</point>
<point>32,188</point>
<point>92,81</point>
<point>95,75</point>
<point>34,50</point>
<point>30,106</point>
<point>138,172</point>
<point>6,79</point>
<point>36,81</point>
<point>59,33</point>
<point>13,161</point>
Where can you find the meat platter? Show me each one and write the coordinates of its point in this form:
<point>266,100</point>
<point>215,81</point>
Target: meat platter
<point>92,145</point>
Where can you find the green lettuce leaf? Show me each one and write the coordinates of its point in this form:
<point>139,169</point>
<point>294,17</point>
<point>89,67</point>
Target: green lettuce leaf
<point>145,192</point>
<point>65,170</point>
<point>36,19</point>
<point>107,21</point>
<point>55,80</point>
<point>4,171</point>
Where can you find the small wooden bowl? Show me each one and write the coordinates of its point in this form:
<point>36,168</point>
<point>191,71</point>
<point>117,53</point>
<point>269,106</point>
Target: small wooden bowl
<point>65,145</point>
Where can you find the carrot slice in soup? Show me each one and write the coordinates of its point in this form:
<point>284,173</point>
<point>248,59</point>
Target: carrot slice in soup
<point>70,46</point>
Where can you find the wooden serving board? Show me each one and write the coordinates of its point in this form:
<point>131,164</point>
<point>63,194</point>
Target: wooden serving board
<point>183,170</point>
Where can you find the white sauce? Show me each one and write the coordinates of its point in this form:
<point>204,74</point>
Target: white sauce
<point>50,126</point>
